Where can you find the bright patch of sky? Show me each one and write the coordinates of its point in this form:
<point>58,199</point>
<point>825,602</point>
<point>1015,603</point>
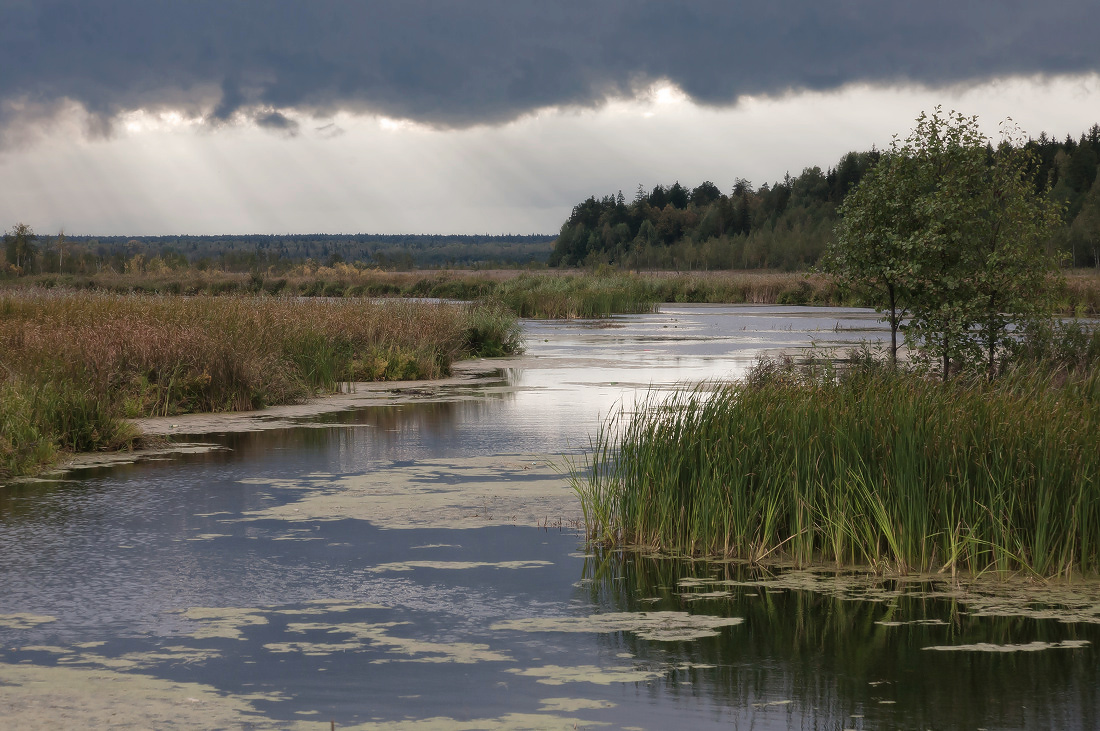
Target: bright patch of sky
<point>164,172</point>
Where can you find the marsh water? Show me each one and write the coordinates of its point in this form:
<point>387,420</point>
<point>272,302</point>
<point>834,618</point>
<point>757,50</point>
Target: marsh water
<point>417,563</point>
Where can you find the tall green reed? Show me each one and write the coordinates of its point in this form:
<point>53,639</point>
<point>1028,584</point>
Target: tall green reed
<point>873,467</point>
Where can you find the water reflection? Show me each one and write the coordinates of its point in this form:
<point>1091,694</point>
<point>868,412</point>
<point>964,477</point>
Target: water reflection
<point>364,565</point>
<point>831,662</point>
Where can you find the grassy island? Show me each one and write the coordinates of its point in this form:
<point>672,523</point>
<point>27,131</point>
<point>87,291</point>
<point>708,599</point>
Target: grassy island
<point>74,365</point>
<point>872,466</point>
<point>980,453</point>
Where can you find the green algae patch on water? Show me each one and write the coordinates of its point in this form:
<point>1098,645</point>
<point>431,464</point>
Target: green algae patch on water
<point>562,674</point>
<point>316,649</point>
<point>224,622</point>
<point>327,606</point>
<point>174,654</point>
<point>70,697</point>
<point>96,460</point>
<point>572,705</point>
<point>24,620</point>
<point>404,649</point>
<point>401,566</point>
<point>432,493</point>
<point>1029,647</point>
<point>983,596</point>
<point>507,722</point>
<point>658,626</point>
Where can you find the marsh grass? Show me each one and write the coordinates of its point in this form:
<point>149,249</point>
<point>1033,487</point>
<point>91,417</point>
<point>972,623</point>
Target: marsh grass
<point>584,296</point>
<point>545,294</point>
<point>72,364</point>
<point>876,468</point>
<point>569,293</point>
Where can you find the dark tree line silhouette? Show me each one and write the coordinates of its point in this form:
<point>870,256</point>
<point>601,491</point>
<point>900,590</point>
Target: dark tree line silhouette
<point>789,224</point>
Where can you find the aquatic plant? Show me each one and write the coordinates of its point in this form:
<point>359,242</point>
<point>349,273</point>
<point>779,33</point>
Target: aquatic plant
<point>570,296</point>
<point>875,468</point>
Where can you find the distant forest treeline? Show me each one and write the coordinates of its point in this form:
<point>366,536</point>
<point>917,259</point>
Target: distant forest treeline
<point>787,225</point>
<point>276,253</point>
<point>784,225</point>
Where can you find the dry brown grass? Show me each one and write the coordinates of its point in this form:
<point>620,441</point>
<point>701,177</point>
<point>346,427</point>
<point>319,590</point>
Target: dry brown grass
<point>170,354</point>
<point>72,363</point>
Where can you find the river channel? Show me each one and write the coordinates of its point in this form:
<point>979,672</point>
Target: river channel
<point>415,561</point>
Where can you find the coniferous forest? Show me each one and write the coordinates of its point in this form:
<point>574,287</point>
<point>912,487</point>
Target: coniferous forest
<point>789,223</point>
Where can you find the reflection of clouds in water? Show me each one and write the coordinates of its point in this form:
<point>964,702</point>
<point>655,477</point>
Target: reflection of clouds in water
<point>291,515</point>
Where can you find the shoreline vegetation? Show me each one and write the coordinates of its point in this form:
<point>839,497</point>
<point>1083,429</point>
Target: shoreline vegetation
<point>549,294</point>
<point>979,455</point>
<point>75,365</point>
<point>864,465</point>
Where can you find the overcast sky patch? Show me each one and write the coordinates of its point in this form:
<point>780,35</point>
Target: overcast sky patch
<point>489,116</point>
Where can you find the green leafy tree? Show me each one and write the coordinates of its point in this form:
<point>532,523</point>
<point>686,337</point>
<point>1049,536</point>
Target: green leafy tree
<point>952,233</point>
<point>879,237</point>
<point>1086,227</point>
<point>19,246</point>
<point>1008,232</point>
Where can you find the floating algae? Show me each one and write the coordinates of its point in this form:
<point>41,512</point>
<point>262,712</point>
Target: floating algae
<point>439,493</point>
<point>572,705</point>
<point>72,697</point>
<point>561,674</point>
<point>174,654</point>
<point>1029,647</point>
<point>24,620</point>
<point>507,722</point>
<point>659,626</point>
<point>224,622</point>
<point>455,565</point>
<point>313,648</point>
<point>413,650</point>
<point>986,596</point>
<point>327,606</point>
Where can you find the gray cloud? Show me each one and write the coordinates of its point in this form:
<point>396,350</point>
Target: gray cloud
<point>277,121</point>
<point>457,64</point>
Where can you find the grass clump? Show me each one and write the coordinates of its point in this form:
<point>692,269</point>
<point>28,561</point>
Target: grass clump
<point>74,364</point>
<point>870,467</point>
<point>572,296</point>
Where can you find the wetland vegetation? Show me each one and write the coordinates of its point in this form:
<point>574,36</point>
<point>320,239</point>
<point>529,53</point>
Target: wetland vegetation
<point>866,466</point>
<point>76,364</point>
<point>993,467</point>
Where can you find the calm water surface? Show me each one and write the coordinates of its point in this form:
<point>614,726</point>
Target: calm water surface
<point>417,566</point>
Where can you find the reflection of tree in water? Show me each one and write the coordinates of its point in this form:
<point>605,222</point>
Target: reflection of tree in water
<point>834,657</point>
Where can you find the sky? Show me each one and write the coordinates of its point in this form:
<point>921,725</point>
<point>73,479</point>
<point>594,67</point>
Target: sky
<point>142,117</point>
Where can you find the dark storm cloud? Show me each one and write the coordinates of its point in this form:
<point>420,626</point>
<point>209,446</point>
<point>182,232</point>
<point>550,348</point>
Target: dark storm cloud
<point>453,64</point>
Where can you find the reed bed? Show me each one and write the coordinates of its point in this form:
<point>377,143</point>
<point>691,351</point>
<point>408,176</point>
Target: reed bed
<point>572,293</point>
<point>586,296</point>
<point>874,468</point>
<point>74,364</point>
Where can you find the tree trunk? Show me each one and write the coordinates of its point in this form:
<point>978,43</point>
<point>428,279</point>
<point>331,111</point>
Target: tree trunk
<point>893,328</point>
<point>946,360</point>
